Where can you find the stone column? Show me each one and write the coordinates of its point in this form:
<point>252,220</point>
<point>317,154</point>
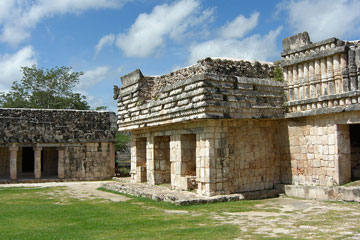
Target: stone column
<point>342,155</point>
<point>312,79</point>
<point>13,158</point>
<point>61,163</point>
<point>306,81</point>
<point>337,74</point>
<point>150,164</point>
<point>324,79</point>
<point>352,71</point>
<point>330,75</point>
<point>37,162</point>
<point>110,169</point>
<point>175,160</point>
<point>290,84</point>
<point>133,157</point>
<point>301,81</point>
<point>317,77</point>
<point>295,82</point>
<point>344,72</point>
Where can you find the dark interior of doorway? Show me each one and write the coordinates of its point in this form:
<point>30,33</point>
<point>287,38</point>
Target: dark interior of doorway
<point>355,151</point>
<point>27,159</point>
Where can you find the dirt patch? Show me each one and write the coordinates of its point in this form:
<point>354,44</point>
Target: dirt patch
<point>77,190</point>
<point>297,218</point>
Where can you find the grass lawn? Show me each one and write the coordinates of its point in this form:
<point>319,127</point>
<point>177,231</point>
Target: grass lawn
<point>36,214</point>
<point>49,213</point>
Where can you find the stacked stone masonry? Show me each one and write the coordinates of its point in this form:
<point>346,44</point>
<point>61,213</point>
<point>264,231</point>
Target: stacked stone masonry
<point>226,126</point>
<point>202,95</point>
<point>56,144</point>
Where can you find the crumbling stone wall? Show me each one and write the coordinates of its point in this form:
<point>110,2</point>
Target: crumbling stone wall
<point>68,144</point>
<point>218,92</point>
<point>55,126</point>
<point>151,86</point>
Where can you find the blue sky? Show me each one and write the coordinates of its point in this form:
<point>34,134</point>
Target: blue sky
<point>109,38</point>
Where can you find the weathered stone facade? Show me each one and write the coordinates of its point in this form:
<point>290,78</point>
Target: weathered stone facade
<point>56,144</point>
<point>226,126</point>
<point>323,111</point>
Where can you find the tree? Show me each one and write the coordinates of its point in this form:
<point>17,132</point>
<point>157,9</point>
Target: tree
<point>122,140</point>
<point>278,72</point>
<point>50,88</point>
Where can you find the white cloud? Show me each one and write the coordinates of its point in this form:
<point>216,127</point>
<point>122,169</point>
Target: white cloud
<point>92,77</point>
<point>239,26</point>
<point>19,17</point>
<point>323,18</point>
<point>255,47</point>
<point>5,6</point>
<point>10,66</point>
<point>147,34</point>
<point>104,41</point>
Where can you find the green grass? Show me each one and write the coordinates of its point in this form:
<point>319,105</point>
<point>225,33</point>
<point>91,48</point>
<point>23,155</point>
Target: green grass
<point>32,214</point>
<point>353,184</point>
<point>48,213</point>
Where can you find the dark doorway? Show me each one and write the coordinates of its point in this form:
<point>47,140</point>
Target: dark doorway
<point>355,151</point>
<point>27,159</point>
<point>49,162</point>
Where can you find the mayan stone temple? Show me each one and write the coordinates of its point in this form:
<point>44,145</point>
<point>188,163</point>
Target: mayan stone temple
<point>227,126</point>
<point>45,144</point>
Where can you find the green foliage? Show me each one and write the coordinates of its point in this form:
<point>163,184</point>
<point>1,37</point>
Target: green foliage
<point>121,141</point>
<point>278,72</point>
<point>50,88</point>
<point>100,108</point>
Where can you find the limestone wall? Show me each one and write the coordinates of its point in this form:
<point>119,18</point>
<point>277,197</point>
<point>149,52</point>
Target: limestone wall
<point>223,89</point>
<point>254,156</point>
<point>319,149</point>
<point>230,155</point>
<point>89,161</point>
<point>55,126</point>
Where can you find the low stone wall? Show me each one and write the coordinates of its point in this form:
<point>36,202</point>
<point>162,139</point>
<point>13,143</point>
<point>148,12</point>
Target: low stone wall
<point>55,126</point>
<point>351,194</point>
<point>178,197</point>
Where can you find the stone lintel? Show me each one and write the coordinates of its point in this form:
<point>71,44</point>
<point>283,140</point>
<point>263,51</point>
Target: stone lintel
<point>324,98</point>
<point>311,57</point>
<point>321,111</point>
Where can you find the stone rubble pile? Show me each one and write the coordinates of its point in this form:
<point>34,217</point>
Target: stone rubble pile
<point>177,197</point>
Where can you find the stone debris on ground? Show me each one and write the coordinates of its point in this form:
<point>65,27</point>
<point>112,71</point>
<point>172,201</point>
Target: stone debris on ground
<point>179,197</point>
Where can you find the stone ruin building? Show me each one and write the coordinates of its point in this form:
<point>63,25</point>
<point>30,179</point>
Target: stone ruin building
<point>43,144</point>
<point>226,126</point>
